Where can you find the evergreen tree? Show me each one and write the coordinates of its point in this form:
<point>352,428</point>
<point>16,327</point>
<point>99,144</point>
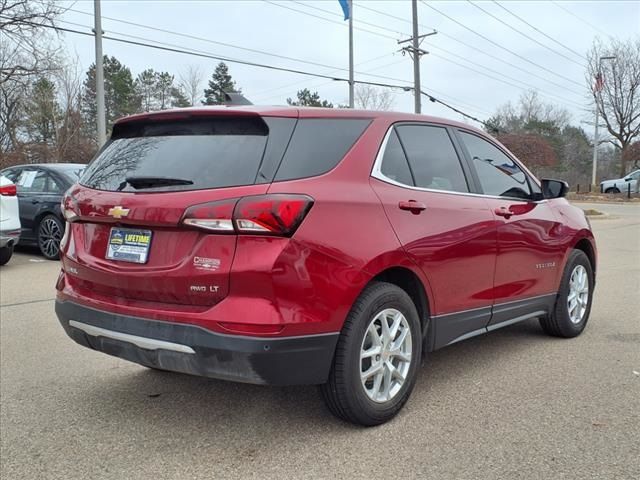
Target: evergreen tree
<point>307,99</point>
<point>146,89</point>
<point>41,109</point>
<point>220,82</point>
<point>119,93</point>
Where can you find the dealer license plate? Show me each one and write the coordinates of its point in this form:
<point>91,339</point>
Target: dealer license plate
<point>129,245</point>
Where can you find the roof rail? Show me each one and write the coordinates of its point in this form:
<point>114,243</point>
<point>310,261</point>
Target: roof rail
<point>235,98</point>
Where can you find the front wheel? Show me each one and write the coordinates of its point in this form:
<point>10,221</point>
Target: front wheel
<point>612,190</point>
<point>50,232</point>
<point>573,303</point>
<point>377,357</point>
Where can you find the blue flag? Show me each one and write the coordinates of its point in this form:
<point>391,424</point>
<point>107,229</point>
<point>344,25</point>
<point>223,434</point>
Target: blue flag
<point>345,8</point>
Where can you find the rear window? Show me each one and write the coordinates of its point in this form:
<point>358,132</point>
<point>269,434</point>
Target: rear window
<point>318,145</point>
<point>220,152</point>
<point>211,153</point>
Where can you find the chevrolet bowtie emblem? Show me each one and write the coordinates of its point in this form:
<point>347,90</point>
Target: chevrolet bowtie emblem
<point>118,212</point>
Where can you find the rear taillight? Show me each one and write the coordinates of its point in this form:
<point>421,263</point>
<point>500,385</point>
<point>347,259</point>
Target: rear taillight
<point>69,207</point>
<point>276,214</point>
<point>8,190</point>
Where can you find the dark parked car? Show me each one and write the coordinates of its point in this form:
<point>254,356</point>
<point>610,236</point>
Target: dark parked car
<point>292,246</point>
<point>40,190</point>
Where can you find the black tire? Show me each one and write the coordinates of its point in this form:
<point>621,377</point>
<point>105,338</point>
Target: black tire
<point>5,254</point>
<point>344,393</point>
<point>50,232</point>
<point>612,190</point>
<point>559,323</point>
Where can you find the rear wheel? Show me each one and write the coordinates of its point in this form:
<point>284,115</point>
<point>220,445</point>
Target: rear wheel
<point>5,254</point>
<point>377,357</point>
<point>573,304</point>
<point>50,232</point>
<point>612,190</point>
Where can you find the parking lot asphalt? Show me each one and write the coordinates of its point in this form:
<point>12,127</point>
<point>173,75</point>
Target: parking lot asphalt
<point>510,404</point>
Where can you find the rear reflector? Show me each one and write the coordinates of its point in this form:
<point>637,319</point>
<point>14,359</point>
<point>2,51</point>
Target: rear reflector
<point>276,214</point>
<point>8,190</point>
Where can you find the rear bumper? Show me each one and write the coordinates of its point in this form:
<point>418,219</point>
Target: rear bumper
<point>197,351</point>
<point>9,237</point>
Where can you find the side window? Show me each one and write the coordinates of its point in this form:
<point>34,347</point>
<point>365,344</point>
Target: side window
<point>318,145</point>
<point>32,181</point>
<point>432,158</point>
<point>10,174</point>
<point>394,163</point>
<point>55,186</point>
<point>498,174</point>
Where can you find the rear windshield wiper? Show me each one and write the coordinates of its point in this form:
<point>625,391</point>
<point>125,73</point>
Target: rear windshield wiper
<point>151,182</point>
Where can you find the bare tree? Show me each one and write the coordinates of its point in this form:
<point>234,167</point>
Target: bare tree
<point>369,97</point>
<point>617,97</point>
<point>24,53</point>
<point>191,84</point>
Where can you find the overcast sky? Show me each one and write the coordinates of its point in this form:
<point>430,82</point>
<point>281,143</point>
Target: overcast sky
<point>275,28</point>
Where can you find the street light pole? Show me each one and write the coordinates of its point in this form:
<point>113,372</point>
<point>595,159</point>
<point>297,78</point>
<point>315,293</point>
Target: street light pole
<point>599,82</point>
<point>100,115</point>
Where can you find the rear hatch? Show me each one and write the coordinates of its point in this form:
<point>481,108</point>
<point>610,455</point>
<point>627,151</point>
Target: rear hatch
<point>128,238</point>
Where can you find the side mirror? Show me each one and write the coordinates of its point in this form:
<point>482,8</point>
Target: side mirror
<point>554,188</point>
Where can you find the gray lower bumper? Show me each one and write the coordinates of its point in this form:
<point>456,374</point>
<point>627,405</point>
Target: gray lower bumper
<point>194,350</point>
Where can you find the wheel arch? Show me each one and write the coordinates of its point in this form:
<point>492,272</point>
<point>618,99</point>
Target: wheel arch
<point>412,284</point>
<point>38,218</point>
<point>585,245</point>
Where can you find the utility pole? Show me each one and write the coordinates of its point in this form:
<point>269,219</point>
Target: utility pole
<point>598,88</point>
<point>101,126</point>
<point>351,85</point>
<point>415,52</point>
<point>416,58</point>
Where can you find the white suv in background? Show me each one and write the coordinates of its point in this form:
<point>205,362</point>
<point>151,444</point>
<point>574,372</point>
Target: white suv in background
<point>618,185</point>
<point>9,219</point>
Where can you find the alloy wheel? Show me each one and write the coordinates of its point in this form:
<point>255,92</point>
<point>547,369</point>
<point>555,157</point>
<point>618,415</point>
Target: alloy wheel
<point>385,355</point>
<point>49,236</point>
<point>578,297</point>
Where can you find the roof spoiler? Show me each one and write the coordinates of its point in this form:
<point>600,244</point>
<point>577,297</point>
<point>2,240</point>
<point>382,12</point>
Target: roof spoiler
<point>235,98</point>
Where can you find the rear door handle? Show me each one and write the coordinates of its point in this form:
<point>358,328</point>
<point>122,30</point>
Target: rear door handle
<point>412,206</point>
<point>503,212</point>
<point>34,201</point>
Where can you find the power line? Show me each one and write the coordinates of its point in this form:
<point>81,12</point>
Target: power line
<point>139,25</point>
<point>281,87</point>
<point>529,85</point>
<point>539,31</point>
<point>463,66</point>
<point>202,39</point>
<point>496,78</point>
<point>524,34</point>
<point>474,48</point>
<point>328,12</point>
<point>580,18</point>
<point>328,19</point>
<point>253,64</point>
<point>498,45</point>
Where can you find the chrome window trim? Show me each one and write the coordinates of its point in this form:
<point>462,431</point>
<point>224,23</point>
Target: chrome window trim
<point>376,172</point>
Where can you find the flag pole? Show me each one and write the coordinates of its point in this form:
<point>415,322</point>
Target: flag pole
<point>351,85</point>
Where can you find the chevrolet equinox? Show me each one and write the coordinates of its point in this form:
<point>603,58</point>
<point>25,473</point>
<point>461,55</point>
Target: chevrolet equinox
<point>287,246</point>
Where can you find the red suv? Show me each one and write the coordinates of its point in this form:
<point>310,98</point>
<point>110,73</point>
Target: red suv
<point>313,246</point>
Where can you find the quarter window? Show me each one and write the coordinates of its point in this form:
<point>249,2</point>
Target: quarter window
<point>394,163</point>
<point>498,174</point>
<point>432,158</point>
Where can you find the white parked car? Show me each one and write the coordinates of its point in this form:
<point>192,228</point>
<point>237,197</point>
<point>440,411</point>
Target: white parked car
<point>618,185</point>
<point>9,219</point>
